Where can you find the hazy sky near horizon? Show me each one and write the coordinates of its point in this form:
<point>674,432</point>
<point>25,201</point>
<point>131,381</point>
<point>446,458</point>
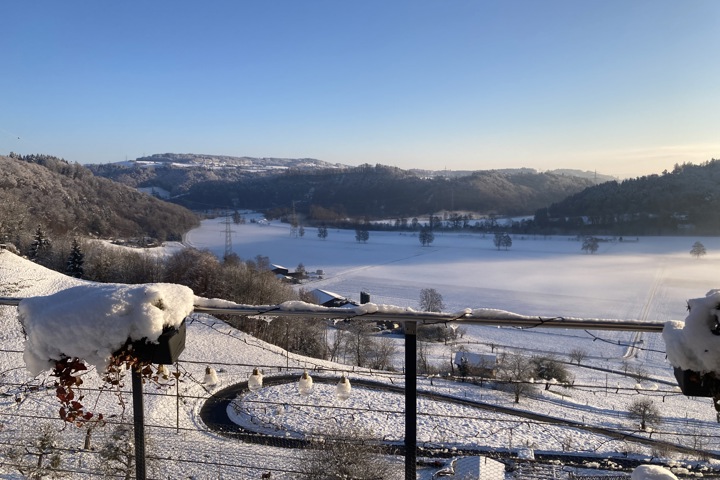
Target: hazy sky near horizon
<point>624,87</point>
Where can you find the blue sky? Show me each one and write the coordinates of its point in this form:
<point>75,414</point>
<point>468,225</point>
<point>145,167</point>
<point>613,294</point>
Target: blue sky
<point>622,87</point>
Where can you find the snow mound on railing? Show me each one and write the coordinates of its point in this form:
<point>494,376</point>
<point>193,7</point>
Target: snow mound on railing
<point>695,343</point>
<point>652,472</point>
<point>93,321</point>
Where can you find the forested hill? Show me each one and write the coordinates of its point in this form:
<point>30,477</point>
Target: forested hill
<point>382,192</point>
<point>67,198</point>
<point>684,200</point>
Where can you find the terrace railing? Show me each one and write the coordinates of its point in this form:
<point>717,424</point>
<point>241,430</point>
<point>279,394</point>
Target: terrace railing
<point>410,320</point>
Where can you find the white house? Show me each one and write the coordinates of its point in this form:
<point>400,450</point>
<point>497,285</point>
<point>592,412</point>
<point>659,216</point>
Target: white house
<point>472,468</point>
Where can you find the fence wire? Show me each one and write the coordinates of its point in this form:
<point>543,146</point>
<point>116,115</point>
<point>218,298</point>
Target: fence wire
<point>194,429</point>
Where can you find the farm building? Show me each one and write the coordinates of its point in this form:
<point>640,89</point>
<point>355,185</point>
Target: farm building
<point>482,364</point>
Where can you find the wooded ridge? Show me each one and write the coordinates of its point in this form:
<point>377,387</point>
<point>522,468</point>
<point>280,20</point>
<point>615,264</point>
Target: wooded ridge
<point>66,198</point>
<point>683,201</point>
<point>366,191</point>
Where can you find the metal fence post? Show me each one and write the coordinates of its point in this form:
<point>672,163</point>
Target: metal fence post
<point>410,400</point>
<point>139,424</point>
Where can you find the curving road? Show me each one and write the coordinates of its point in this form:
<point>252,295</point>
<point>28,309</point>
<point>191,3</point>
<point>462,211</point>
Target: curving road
<point>214,414</point>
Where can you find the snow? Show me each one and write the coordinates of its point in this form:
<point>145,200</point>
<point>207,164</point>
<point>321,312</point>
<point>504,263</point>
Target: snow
<point>92,321</point>
<point>695,343</point>
<point>649,280</point>
<point>652,472</point>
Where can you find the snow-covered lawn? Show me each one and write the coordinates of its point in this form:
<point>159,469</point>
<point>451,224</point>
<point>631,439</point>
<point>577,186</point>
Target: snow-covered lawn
<point>650,279</point>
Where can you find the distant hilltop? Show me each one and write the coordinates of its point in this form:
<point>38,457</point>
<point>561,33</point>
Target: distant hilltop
<point>595,177</point>
<point>268,164</point>
<point>224,161</point>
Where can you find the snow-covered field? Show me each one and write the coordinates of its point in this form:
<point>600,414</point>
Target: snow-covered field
<point>648,279</point>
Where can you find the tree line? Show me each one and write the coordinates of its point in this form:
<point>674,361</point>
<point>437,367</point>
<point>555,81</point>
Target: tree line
<point>678,202</point>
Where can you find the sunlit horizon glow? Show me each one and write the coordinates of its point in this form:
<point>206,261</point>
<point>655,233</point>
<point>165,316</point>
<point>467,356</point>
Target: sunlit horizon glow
<point>621,88</point>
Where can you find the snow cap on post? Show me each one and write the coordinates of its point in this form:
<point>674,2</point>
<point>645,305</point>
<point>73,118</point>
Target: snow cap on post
<point>652,472</point>
<point>92,321</point>
<point>695,343</point>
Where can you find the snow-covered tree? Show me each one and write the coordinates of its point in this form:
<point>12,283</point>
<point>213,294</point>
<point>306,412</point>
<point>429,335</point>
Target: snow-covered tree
<point>698,250</point>
<point>40,246</point>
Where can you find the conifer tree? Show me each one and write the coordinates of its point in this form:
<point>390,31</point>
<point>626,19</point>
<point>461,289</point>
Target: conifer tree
<point>40,246</point>
<point>74,267</point>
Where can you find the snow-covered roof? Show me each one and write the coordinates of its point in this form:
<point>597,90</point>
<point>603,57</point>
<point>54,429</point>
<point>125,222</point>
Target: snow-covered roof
<point>476,358</point>
<point>325,297</point>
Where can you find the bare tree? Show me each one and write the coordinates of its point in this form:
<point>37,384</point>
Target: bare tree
<point>322,232</point>
<point>644,410</point>
<point>625,365</point>
<point>516,371</point>
<point>426,236</point>
<point>359,343</point>
<point>431,300</point>
<point>383,352</point>
<point>362,234</point>
<point>698,250</point>
<point>423,358</point>
<point>590,245</point>
<point>502,240</point>
<point>336,345</point>
<point>577,355</point>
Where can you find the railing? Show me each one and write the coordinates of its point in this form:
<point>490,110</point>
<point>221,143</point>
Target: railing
<point>410,320</point>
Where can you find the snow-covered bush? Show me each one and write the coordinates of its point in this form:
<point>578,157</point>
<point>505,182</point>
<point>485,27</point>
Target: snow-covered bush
<point>695,343</point>
<point>38,457</point>
<point>348,451</point>
<point>95,324</point>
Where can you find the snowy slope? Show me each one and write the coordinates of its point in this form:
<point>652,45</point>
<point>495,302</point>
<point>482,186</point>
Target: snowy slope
<point>643,282</point>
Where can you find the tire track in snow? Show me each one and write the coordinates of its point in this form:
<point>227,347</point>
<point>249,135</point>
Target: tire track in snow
<point>331,280</point>
<point>633,350</point>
